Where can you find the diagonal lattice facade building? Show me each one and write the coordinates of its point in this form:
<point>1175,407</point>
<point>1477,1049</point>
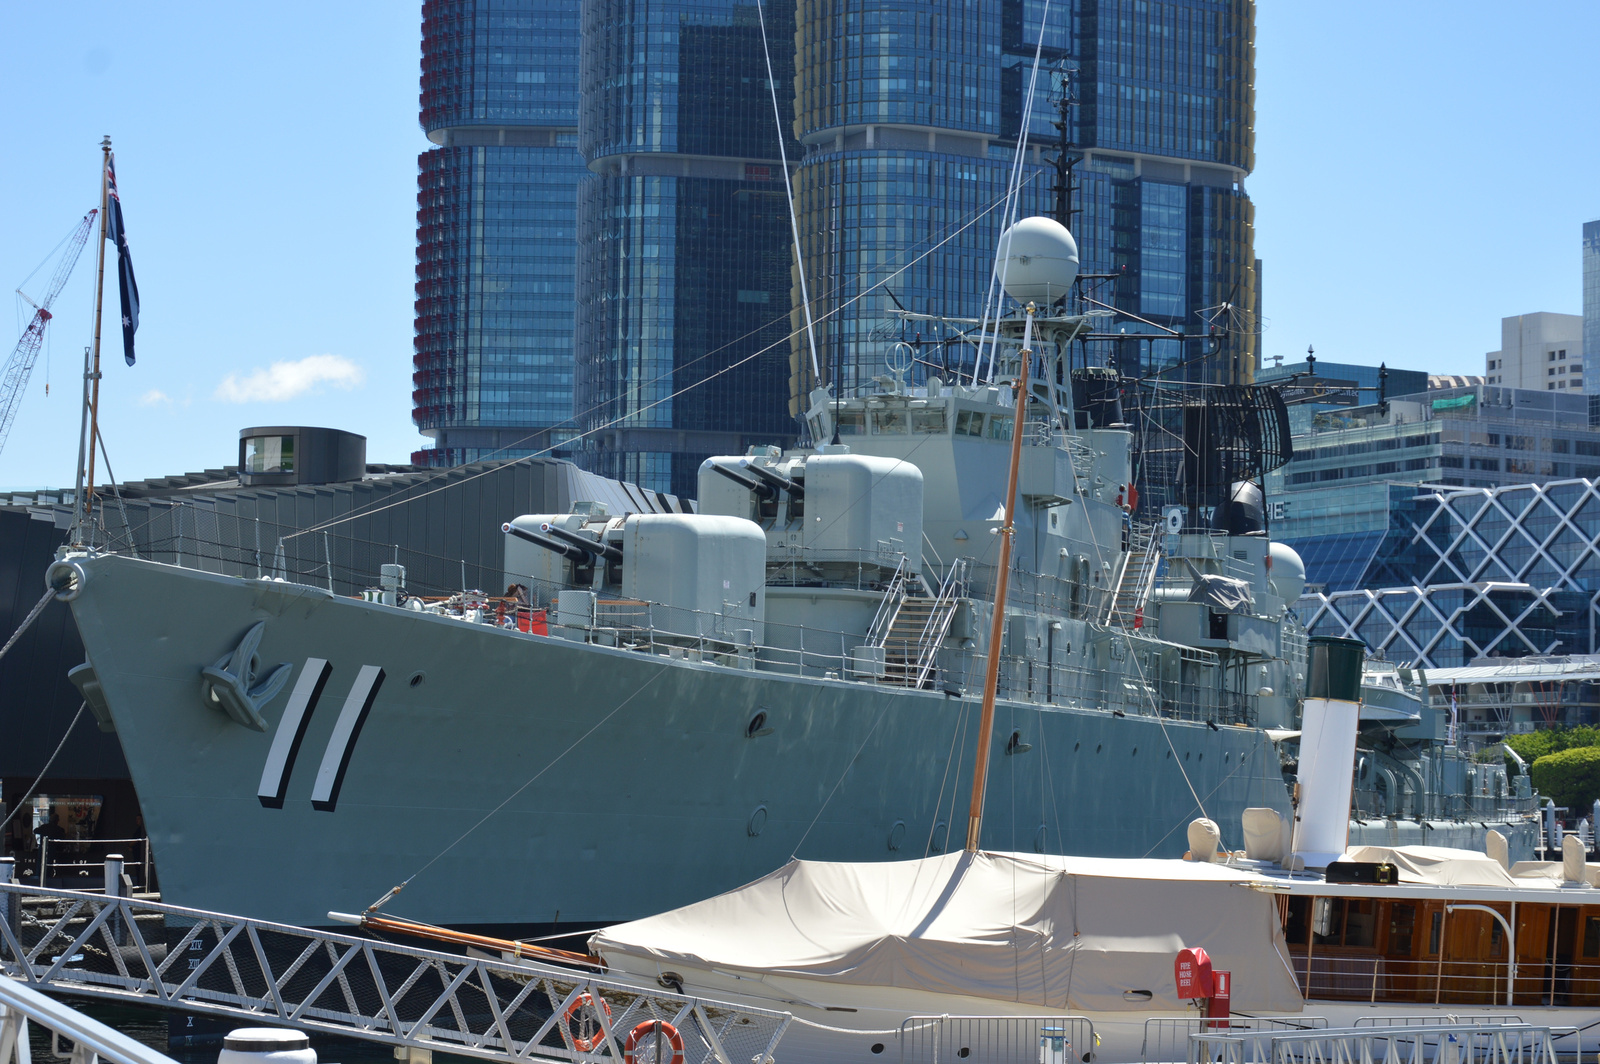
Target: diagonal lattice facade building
<point>1467,573</point>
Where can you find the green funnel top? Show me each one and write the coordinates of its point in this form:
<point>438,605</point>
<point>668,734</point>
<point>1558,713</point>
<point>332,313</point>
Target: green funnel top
<point>1335,668</point>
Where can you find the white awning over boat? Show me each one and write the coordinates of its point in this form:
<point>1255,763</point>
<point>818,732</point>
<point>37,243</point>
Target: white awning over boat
<point>1069,933</point>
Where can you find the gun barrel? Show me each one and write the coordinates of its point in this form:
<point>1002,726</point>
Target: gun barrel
<point>774,480</point>
<point>762,489</point>
<point>604,550</point>
<point>572,554</point>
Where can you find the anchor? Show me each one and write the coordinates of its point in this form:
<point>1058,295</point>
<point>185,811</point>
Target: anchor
<point>227,684</point>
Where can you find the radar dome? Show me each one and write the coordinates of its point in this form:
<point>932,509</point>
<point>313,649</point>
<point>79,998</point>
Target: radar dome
<point>1288,573</point>
<point>1038,261</point>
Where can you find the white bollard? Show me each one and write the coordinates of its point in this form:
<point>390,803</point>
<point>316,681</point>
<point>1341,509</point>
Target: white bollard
<point>266,1045</point>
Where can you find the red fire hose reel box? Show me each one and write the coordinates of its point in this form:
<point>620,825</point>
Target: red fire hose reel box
<point>1192,973</point>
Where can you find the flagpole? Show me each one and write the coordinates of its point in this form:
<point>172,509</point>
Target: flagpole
<point>99,305</point>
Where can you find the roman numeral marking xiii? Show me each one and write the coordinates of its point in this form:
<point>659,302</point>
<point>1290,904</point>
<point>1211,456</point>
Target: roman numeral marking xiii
<point>346,730</point>
<point>291,732</point>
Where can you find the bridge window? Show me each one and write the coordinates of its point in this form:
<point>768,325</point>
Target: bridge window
<point>891,422</point>
<point>1000,427</point>
<point>928,421</point>
<point>852,422</point>
<point>969,423</point>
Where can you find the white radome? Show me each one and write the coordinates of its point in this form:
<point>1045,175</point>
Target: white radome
<point>1038,261</point>
<point>1288,577</point>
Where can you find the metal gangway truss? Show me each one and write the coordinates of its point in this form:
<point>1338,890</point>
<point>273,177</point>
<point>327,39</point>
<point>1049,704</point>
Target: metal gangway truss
<point>277,975</point>
<point>1457,1043</point>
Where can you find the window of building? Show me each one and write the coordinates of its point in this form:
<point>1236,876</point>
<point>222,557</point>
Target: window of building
<point>1562,355</point>
<point>1552,356</point>
<point>1490,465</point>
<point>1551,372</point>
<point>1550,387</point>
<point>1559,446</point>
<point>269,454</point>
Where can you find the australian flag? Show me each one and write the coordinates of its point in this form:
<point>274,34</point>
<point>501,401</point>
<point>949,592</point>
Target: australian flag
<point>125,282</point>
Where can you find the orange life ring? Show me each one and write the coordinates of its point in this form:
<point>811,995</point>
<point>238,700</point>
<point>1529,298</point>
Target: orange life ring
<point>647,1028</point>
<point>585,1045</point>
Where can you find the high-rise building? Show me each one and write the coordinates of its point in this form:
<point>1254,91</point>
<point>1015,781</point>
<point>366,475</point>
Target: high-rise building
<point>1591,293</point>
<point>1540,351</point>
<point>684,318</point>
<point>686,249</point>
<point>496,220</point>
<point>910,115</point>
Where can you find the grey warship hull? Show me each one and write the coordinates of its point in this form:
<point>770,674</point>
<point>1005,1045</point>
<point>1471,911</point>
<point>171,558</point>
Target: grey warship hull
<point>513,779</point>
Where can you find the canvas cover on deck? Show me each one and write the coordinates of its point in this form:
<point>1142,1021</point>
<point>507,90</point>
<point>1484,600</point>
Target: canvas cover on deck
<point>1437,866</point>
<point>1070,933</point>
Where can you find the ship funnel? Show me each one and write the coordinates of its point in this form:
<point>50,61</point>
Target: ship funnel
<point>1038,261</point>
<point>1328,726</point>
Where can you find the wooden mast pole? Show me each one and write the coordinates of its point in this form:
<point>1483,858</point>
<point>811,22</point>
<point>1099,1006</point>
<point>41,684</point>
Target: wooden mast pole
<point>991,679</point>
<point>99,304</point>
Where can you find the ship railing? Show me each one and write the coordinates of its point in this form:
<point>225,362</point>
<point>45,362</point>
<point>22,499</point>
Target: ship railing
<point>1166,1038</point>
<point>260,973</point>
<point>62,860</point>
<point>1447,1043</point>
<point>895,594</point>
<point>74,1037</point>
<point>1342,976</point>
<point>1059,1039</point>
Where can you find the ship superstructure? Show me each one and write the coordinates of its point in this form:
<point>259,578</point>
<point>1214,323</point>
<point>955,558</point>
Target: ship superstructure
<point>664,705</point>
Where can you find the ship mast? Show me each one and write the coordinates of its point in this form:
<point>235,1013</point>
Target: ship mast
<point>82,502</point>
<point>991,677</point>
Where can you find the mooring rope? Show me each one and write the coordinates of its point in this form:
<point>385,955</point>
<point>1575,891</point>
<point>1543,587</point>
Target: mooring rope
<point>33,615</point>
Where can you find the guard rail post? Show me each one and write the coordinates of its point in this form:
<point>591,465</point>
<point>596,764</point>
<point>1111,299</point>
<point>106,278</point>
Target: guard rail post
<point>8,900</point>
<point>115,889</point>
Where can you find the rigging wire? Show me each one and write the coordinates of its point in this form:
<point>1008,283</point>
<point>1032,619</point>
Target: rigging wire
<point>788,191</point>
<point>1013,204</point>
<point>367,511</point>
<point>530,782</point>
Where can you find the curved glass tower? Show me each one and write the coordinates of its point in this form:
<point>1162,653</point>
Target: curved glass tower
<point>910,113</point>
<point>685,262</point>
<point>496,249</point>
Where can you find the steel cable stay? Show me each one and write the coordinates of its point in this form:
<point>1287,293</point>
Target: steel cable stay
<point>890,275</point>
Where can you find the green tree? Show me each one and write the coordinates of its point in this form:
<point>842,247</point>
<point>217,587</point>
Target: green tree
<point>1536,744</point>
<point>1569,777</point>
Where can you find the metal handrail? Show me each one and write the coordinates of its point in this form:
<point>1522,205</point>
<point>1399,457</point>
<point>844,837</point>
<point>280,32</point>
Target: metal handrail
<point>21,1005</point>
<point>939,619</point>
<point>893,596</point>
<point>495,1009</point>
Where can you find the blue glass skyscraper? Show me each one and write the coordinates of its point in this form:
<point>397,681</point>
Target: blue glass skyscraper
<point>910,115</point>
<point>496,220</point>
<point>1591,303</point>
<point>685,262</point>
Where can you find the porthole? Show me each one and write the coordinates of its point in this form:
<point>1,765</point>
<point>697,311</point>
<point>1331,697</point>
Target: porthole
<point>877,1047</point>
<point>897,834</point>
<point>1097,747</point>
<point>940,839</point>
<point>758,821</point>
<point>964,1052</point>
<point>1135,752</point>
<point>417,679</point>
<point>757,726</point>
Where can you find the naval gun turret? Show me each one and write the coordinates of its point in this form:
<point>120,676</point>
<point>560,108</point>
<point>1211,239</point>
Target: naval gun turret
<point>687,576</point>
<point>830,517</point>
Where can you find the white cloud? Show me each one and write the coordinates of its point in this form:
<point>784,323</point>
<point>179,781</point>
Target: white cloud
<point>155,397</point>
<point>288,380</point>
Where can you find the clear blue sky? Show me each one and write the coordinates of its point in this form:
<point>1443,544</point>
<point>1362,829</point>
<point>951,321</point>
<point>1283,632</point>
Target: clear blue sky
<point>1422,170</point>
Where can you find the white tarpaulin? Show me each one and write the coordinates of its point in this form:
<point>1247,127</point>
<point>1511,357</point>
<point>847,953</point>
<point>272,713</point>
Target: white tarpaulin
<point>1437,866</point>
<point>1068,933</point>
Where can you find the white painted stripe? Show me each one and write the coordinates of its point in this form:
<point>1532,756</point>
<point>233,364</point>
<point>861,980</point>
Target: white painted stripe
<point>291,729</point>
<point>325,793</point>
